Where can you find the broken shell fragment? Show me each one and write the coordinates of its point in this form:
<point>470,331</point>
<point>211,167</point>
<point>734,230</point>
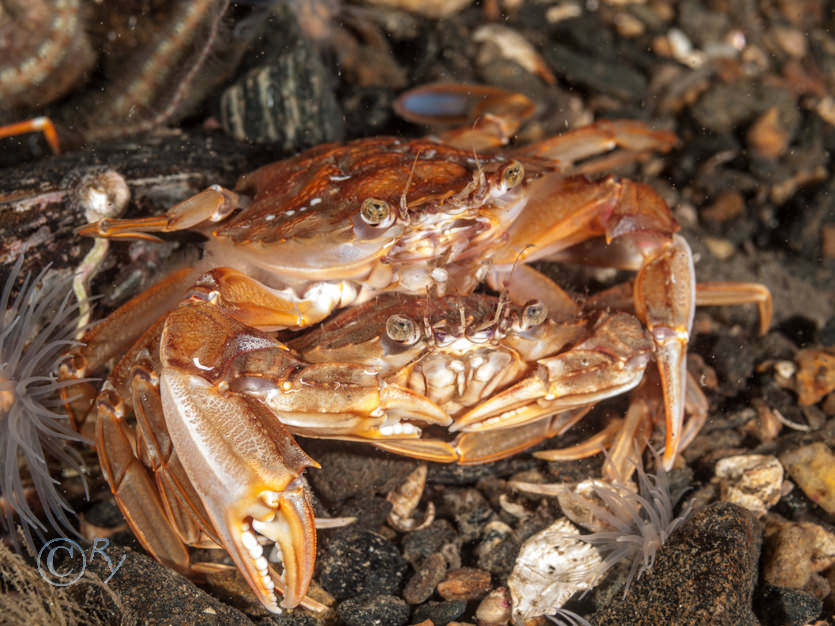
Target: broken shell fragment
<point>552,566</point>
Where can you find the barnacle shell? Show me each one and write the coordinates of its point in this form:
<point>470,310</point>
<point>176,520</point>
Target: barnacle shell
<point>552,566</point>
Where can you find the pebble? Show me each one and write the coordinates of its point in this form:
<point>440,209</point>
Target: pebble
<point>494,609</point>
<point>608,77</point>
<point>357,562</point>
<point>469,509</point>
<point>497,551</point>
<point>355,470</point>
<point>767,136</point>
<point>815,375</point>
<point>795,552</point>
<point>704,574</point>
<point>778,606</point>
<point>727,206</point>
<point>752,481</point>
<point>374,610</point>
<point>440,612</point>
<point>426,577</point>
<point>812,467</point>
<point>419,544</point>
<point>466,583</point>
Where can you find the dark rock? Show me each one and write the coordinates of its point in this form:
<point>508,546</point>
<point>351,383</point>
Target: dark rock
<point>470,511</point>
<point>610,77</point>
<point>730,355</point>
<point>449,474</point>
<point>356,562</point>
<point>353,470</point>
<point>374,610</point>
<point>498,549</point>
<point>778,606</point>
<point>371,512</point>
<point>287,99</point>
<point>426,577</point>
<point>439,612</point>
<point>704,574</point>
<point>800,330</point>
<point>293,618</point>
<point>147,592</point>
<point>421,543</point>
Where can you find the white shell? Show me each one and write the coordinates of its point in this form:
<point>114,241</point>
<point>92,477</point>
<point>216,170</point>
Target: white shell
<point>551,567</point>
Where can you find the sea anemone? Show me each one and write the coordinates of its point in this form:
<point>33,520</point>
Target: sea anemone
<point>36,330</point>
<point>633,525</point>
<point>637,524</point>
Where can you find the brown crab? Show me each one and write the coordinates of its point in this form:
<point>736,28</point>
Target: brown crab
<point>216,398</point>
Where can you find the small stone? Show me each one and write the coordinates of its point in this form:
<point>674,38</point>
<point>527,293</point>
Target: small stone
<point>374,610</point>
<point>767,136</point>
<point>722,249</point>
<point>422,584</point>
<point>498,549</point>
<point>356,562</point>
<point>419,544</point>
<point>371,511</point>
<point>794,552</point>
<point>351,471</point>
<point>494,610</point>
<point>440,612</point>
<point>791,40</point>
<point>787,607</point>
<point>815,376</point>
<point>469,509</point>
<point>466,583</point>
<point>728,205</point>
<point>752,481</point>
<point>812,467</point>
<point>828,240</point>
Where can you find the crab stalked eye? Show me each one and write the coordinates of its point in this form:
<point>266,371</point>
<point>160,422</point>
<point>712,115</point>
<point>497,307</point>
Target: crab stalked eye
<point>376,212</point>
<point>513,174</point>
<point>402,329</point>
<point>534,314</point>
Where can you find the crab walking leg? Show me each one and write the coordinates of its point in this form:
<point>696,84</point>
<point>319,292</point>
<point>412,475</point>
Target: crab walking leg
<point>42,124</point>
<point>611,361</point>
<point>213,204</point>
<point>110,339</point>
<point>134,489</point>
<point>722,293</point>
<point>665,300</point>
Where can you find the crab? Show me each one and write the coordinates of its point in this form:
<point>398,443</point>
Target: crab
<point>217,399</point>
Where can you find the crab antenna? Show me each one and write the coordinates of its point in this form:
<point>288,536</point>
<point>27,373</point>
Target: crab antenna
<point>404,209</point>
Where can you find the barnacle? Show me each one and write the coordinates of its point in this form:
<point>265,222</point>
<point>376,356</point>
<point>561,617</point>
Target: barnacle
<point>36,329</point>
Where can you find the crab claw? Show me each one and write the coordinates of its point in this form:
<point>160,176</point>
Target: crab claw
<point>245,466</point>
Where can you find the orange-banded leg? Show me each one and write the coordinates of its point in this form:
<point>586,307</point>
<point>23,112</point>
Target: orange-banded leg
<point>110,339</point>
<point>487,117</point>
<point>34,125</point>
